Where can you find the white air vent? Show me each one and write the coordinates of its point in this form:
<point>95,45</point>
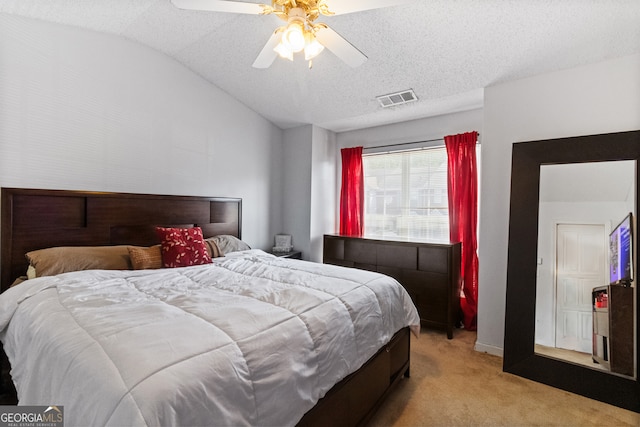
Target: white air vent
<point>397,98</point>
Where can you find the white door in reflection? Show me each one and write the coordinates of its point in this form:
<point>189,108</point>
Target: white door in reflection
<point>580,266</point>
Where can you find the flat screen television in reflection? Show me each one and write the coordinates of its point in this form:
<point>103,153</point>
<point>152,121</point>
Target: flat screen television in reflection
<point>620,251</point>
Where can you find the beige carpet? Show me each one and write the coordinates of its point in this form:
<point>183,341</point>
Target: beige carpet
<point>451,384</point>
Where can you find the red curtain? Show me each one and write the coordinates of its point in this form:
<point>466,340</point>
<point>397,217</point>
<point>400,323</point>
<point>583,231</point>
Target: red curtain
<point>352,193</point>
<point>462,184</point>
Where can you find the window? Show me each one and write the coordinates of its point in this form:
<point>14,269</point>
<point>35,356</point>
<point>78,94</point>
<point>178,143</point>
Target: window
<point>406,195</point>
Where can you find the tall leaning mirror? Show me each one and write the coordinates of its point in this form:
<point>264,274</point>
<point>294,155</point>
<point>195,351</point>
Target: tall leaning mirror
<point>584,297</point>
<point>571,315</point>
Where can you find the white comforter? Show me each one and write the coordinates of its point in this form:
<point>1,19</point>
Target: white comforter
<point>249,340</point>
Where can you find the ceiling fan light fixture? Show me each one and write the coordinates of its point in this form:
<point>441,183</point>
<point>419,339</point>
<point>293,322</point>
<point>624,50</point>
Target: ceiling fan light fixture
<point>293,37</point>
<point>284,51</point>
<point>312,47</point>
<point>301,31</point>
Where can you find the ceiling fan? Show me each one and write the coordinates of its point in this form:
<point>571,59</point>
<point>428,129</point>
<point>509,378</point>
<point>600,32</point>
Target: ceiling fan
<point>301,33</point>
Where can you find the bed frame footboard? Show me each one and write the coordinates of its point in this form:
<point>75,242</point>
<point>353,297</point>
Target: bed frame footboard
<point>354,400</point>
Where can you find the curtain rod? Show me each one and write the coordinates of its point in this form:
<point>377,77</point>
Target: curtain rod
<point>407,143</point>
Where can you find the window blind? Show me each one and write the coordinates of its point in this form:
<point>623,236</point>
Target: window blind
<point>406,194</point>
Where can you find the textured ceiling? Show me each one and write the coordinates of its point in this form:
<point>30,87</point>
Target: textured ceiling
<point>446,51</point>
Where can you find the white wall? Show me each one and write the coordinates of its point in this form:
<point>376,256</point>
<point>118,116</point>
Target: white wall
<point>309,183</point>
<point>323,184</point>
<point>412,131</point>
<point>297,162</point>
<point>593,99</point>
<point>87,111</point>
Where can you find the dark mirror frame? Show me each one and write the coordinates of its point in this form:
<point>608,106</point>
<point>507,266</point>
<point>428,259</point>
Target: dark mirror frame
<point>519,337</point>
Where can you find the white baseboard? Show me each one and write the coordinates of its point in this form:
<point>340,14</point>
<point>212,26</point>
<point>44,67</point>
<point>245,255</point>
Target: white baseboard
<point>490,349</point>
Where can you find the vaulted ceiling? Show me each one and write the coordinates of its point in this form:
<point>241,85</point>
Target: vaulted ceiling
<point>446,51</point>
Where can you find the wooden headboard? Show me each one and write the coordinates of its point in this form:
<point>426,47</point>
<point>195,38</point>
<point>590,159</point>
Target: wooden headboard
<point>38,219</point>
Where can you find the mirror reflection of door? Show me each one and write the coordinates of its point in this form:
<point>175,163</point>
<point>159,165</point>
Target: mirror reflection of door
<point>580,204</point>
<point>580,260</point>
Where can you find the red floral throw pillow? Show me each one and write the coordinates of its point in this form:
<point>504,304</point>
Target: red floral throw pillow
<point>182,247</point>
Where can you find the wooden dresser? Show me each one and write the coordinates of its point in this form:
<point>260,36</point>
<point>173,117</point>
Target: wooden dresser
<point>430,272</point>
<point>613,328</point>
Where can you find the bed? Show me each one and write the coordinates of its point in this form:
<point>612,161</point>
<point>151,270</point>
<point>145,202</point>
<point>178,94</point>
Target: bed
<point>247,339</point>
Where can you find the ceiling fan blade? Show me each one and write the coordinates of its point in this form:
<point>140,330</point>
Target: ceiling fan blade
<point>340,7</point>
<point>340,47</point>
<point>219,6</point>
<point>267,54</point>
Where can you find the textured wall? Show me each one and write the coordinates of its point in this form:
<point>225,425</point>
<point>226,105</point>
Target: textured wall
<point>83,110</point>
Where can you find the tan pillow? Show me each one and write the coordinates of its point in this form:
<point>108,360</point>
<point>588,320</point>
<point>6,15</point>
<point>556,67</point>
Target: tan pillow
<point>213,249</point>
<point>145,258</point>
<point>52,261</point>
<point>227,243</point>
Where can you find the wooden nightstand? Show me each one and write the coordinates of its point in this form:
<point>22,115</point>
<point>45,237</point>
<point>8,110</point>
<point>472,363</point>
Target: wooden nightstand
<point>293,254</point>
